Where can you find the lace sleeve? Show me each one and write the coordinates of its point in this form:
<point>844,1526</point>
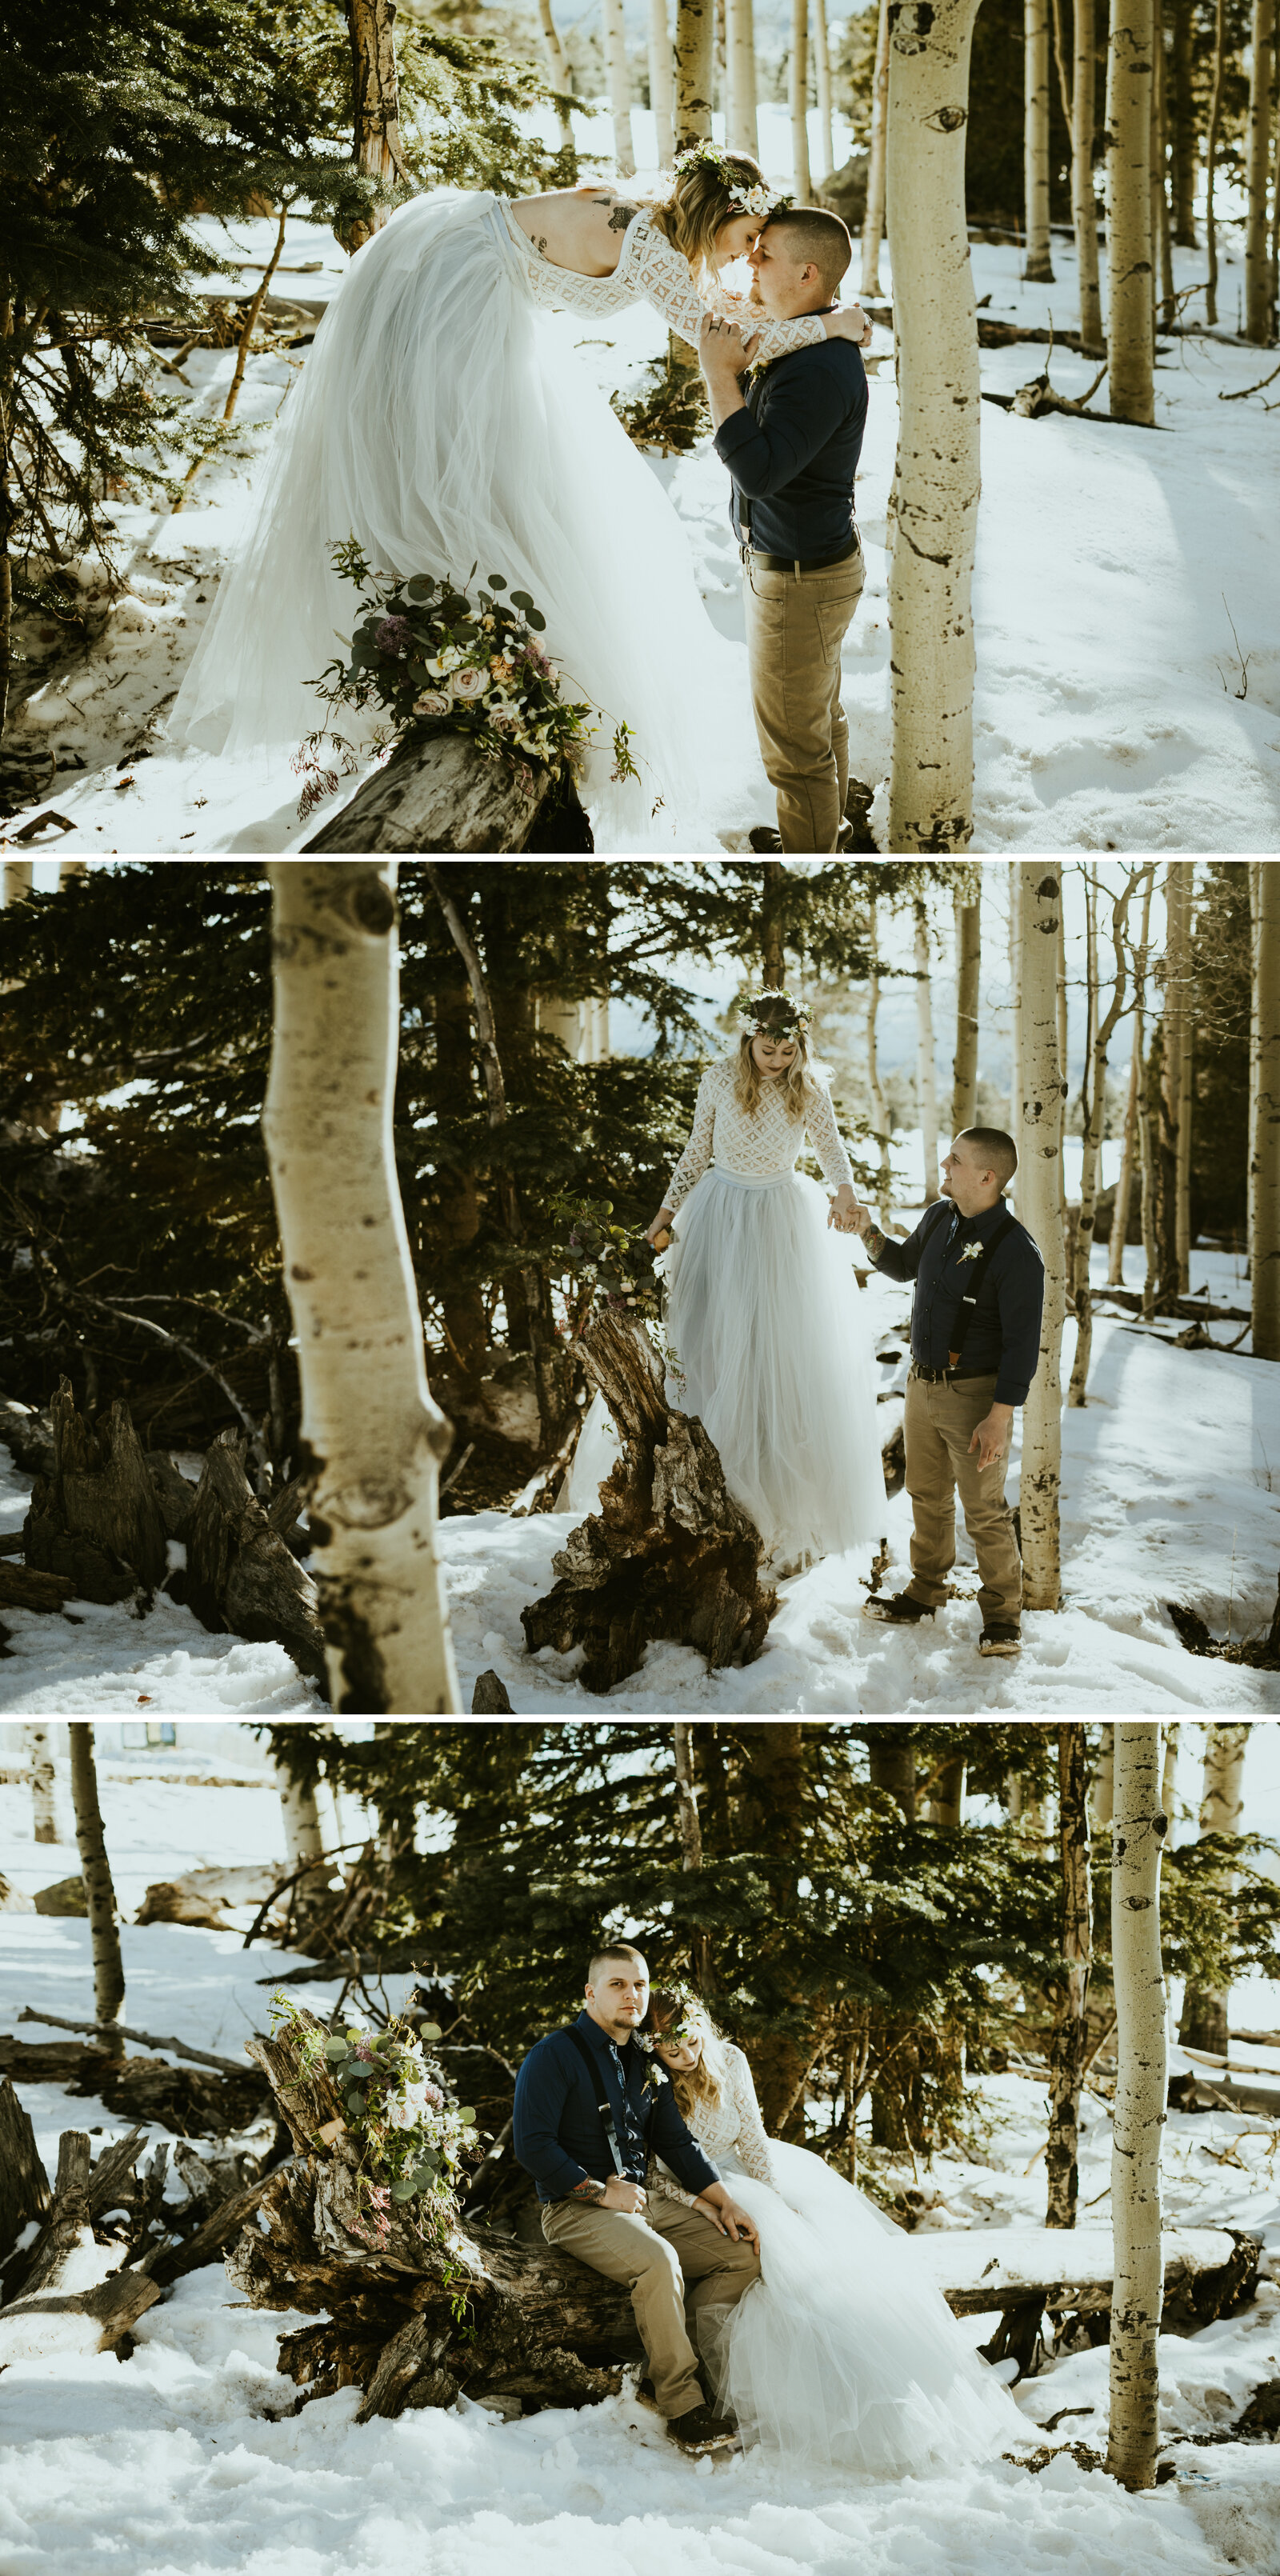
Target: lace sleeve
<point>827,1141</point>
<point>752,2143</point>
<point>655,270</point>
<point>697,1153</point>
<point>662,2183</point>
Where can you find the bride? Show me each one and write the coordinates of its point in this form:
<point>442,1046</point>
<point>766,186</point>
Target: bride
<point>766,1343</point>
<point>837,2357</point>
<point>440,422</point>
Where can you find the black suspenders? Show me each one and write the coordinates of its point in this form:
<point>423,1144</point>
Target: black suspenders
<point>969,1301</point>
<point>603,2103</point>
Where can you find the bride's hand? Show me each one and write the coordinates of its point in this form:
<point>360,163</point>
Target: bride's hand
<point>849,323</point>
<point>660,1225</point>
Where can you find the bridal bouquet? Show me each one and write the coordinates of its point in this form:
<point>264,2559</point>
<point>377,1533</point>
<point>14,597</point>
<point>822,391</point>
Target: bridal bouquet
<point>400,2114</point>
<point>430,655</point>
<point>612,1268</point>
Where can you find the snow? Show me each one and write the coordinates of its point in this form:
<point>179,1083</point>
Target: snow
<point>1116,708</point>
<point>184,2460</point>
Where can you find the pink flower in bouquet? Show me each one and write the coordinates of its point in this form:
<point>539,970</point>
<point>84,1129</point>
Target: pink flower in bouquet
<point>469,682</point>
<point>393,637</point>
<point>433,702</point>
<point>501,666</point>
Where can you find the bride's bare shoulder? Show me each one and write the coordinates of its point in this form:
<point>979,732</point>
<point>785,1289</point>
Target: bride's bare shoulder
<point>582,227</point>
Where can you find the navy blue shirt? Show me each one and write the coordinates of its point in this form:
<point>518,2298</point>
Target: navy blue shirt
<point>559,2135</point>
<point>1004,1334</point>
<point>794,451</point>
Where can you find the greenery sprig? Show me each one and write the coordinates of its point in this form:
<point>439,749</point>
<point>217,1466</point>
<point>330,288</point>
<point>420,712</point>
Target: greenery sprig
<point>411,2135</point>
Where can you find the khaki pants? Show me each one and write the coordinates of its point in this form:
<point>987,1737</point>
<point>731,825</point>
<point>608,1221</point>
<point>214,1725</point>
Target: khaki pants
<point>655,2255</point>
<point>940,1422</point>
<point>795,627</point>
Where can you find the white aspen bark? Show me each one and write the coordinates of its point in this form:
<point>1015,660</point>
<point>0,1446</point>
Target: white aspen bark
<point>1255,915</point>
<point>1130,339</point>
<point>740,39</point>
<point>1062,1017</point>
<point>15,881</point>
<point>44,1803</point>
<point>1186,1122</point>
<point>100,1895</point>
<point>1037,264</point>
<point>1084,212</point>
<point>303,1841</point>
<point>798,93</point>
<point>687,1798</point>
<point>1211,159</point>
<point>69,868</point>
<point>695,43</point>
<point>822,73</point>
<point>936,478</point>
<point>1205,2009</point>
<point>1257,266</point>
<point>879,1109</point>
<point>1132,1151</point>
<point>873,221</point>
<point>1102,1793</point>
<point>369,1425</point>
<point>964,1070</point>
<point>619,79</point>
<point>946,1807</point>
<point>662,88</point>
<point>1169,1775</point>
<point>1264,1142</point>
<point>1101,1027</point>
<point>558,67</point>
<point>1040,1209</point>
<point>926,1070</point>
<point>1138,1832</point>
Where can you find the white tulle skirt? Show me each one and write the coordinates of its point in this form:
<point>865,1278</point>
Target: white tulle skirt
<point>839,2356</point>
<point>768,1347</point>
<point>441,421</point>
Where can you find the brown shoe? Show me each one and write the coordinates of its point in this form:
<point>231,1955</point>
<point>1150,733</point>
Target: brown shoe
<point>1000,1637</point>
<point>901,1610</point>
<point>702,2430</point>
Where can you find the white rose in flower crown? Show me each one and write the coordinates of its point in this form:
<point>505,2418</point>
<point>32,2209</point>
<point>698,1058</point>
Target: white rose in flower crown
<point>470,683</point>
<point>433,702</point>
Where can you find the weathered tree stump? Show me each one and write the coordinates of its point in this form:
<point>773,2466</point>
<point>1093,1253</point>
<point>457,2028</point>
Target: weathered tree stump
<point>95,1518</point>
<point>240,1575</point>
<point>438,793</point>
<point>669,1554</point>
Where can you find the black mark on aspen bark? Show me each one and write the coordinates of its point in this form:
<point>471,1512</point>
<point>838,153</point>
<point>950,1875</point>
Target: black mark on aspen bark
<point>948,120</point>
<point>374,906</point>
<point>910,25</point>
<point>362,1684</point>
<point>297,1272</point>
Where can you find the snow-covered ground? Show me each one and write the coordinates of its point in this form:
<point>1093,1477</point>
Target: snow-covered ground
<point>110,2467</point>
<point>1170,1492</point>
<point>1115,708</point>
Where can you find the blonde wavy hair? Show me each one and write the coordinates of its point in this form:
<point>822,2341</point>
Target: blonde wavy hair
<point>698,205</point>
<point>796,1086</point>
<point>706,2081</point>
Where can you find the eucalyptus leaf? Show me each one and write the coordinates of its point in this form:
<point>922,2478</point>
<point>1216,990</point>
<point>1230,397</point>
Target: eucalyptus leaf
<point>496,581</point>
<point>535,619</point>
<point>403,2189</point>
<point>430,2030</point>
<point>335,2048</point>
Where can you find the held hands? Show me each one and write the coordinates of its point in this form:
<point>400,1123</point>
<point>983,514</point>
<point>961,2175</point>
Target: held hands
<point>727,2218</point>
<point>847,1214</point>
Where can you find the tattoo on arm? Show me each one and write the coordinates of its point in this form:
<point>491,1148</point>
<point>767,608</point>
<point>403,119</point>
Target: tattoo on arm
<point>874,1242</point>
<point>588,2189</point>
<point>621,217</point>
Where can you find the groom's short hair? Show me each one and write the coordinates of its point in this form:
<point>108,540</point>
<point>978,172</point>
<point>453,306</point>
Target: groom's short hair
<point>998,1150</point>
<point>814,233</point>
<point>615,1950</point>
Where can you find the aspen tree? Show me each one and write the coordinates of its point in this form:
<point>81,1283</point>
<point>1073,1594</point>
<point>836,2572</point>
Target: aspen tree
<point>1258,295</point>
<point>1182,125</point>
<point>1037,263</point>
<point>879,1110</point>
<point>1211,158</point>
<point>926,1070</point>
<point>374,1436</point>
<point>1130,1155</point>
<point>740,121</point>
<point>968,921</point>
<point>1130,340</point>
<point>15,881</point>
<point>873,220</point>
<point>303,1841</point>
<point>1084,211</point>
<point>1102,1026</point>
<point>1161,227</point>
<point>662,92</point>
<point>1171,1108</point>
<point>1137,1837</point>
<point>44,1802</point>
<point>100,1895</point>
<point>695,45</point>
<point>1071,1983</point>
<point>618,74</point>
<point>936,477</point>
<point>1255,889</point>
<point>1169,1775</point>
<point>558,66</point>
<point>946,1806</point>
<point>1040,1209</point>
<point>1102,1791</point>
<point>1204,2022</point>
<point>822,75</point>
<point>1015,1011</point>
<point>798,92</point>
<point>1264,1142</point>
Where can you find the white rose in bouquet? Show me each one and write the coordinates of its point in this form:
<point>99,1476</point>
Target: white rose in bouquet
<point>469,684</point>
<point>433,702</point>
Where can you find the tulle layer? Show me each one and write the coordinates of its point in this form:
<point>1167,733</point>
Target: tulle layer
<point>838,2356</point>
<point>441,421</point>
<point>769,1349</point>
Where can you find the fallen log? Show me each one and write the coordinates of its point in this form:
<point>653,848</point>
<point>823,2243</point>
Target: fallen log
<point>190,2101</point>
<point>437,793</point>
<point>95,1519</point>
<point>240,1576</point>
<point>1208,2271</point>
<point>22,1588</point>
<point>94,2320</point>
<point>668,1554</point>
<point>144,2038</point>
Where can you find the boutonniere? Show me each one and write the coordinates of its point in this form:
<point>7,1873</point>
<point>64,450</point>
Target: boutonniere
<point>654,2076</point>
<point>971,1252</point>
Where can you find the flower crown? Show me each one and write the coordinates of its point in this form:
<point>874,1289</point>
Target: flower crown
<point>778,1023</point>
<point>674,2032</point>
<point>759,200</point>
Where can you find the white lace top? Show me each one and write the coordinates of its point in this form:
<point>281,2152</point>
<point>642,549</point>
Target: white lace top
<point>764,1146</point>
<point>733,2124</point>
<point>651,270</point>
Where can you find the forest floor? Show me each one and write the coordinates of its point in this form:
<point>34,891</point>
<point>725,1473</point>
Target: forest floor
<point>183,2460</point>
<point>1128,669</point>
<point>1170,1493</point>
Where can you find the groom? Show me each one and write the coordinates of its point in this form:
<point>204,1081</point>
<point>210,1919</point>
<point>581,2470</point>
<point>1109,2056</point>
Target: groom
<point>792,444</point>
<point>587,2117</point>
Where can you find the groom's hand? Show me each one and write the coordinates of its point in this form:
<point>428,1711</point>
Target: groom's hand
<point>723,360</point>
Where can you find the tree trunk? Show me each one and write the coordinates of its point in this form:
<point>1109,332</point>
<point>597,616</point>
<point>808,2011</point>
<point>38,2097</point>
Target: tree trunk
<point>1169,1775</point>
<point>668,1554</point>
<point>15,881</point>
<point>462,1303</point>
<point>1070,1993</point>
<point>1037,264</point>
<point>1204,2022</point>
<point>1186,1119</point>
<point>375,107</point>
<point>1149,1141</point>
<point>1130,1156</point>
<point>964,1070</point>
<point>873,220</point>
<point>1101,1028</point>
<point>240,1574</point>
<point>96,1519</point>
<point>1040,1208</point>
<point>1016,1059</point>
<point>769,925</point>
<point>695,36</point>
<point>1130,342</point>
<point>936,477</point>
<point>662,93</point>
<point>303,1842</point>
<point>741,124</point>
<point>43,1784</point>
<point>100,1895</point>
<point>946,1807</point>
<point>24,2184</point>
<point>437,793</point>
<point>1255,915</point>
<point>560,73</point>
<point>798,93</point>
<point>1182,126</point>
<point>1138,1831</point>
<point>1264,1142</point>
<point>373,1438</point>
<point>691,1841</point>
<point>1165,309</point>
<point>1211,159</point>
<point>1176,1004</point>
<point>248,326</point>
<point>1102,1793</point>
<point>1257,265</point>
<point>1084,211</point>
<point>926,1068</point>
<point>891,1754</point>
<point>879,1110</point>
<point>822,69</point>
<point>618,73</point>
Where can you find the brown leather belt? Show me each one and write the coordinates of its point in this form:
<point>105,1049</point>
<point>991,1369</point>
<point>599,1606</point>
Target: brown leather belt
<point>794,564</point>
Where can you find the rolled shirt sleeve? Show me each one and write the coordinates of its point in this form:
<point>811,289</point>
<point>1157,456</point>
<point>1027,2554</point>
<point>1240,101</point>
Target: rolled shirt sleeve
<point>902,1260</point>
